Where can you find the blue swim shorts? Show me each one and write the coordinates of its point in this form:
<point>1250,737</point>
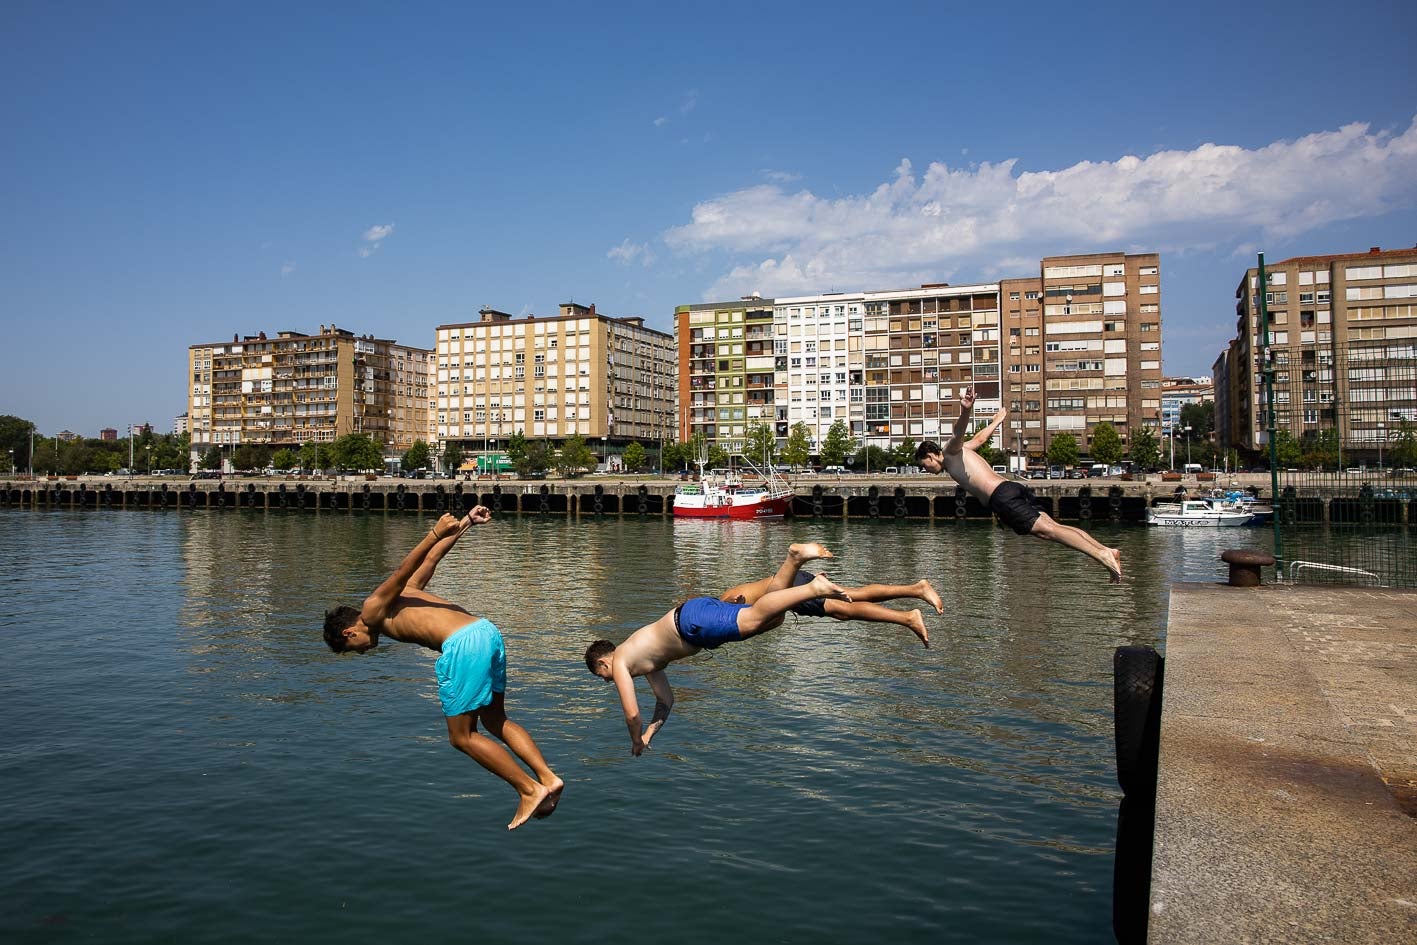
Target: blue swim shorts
<point>812,607</point>
<point>473,667</point>
<point>708,622</point>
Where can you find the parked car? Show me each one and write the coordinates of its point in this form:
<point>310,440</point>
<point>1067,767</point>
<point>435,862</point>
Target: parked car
<point>832,470</point>
<point>1001,470</point>
<point>1078,473</point>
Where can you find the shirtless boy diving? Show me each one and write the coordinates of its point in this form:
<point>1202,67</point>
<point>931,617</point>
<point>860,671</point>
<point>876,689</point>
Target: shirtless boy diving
<point>472,671</point>
<point>698,623</point>
<point>1006,499</point>
<point>862,605</point>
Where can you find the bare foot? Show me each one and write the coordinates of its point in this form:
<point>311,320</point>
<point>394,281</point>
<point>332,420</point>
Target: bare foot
<point>825,588</point>
<point>917,627</point>
<point>548,806</point>
<point>529,804</point>
<point>1116,566</point>
<point>808,551</point>
<point>925,592</point>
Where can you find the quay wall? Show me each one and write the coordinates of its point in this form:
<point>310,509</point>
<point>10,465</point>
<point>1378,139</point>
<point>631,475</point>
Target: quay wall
<point>906,498</point>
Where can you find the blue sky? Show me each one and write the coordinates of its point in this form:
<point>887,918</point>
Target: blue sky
<point>177,173</point>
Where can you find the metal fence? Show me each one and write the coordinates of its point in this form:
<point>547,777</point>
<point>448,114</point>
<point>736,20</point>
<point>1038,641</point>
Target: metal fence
<point>1348,516</point>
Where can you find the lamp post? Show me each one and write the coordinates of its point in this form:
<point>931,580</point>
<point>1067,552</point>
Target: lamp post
<point>1188,445</point>
<point>149,450</point>
<point>12,464</point>
<point>1382,434</point>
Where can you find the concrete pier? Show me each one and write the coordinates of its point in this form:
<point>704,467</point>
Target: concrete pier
<point>1286,803</point>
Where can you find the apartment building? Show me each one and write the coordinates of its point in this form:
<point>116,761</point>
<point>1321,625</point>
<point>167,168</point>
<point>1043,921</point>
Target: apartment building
<point>1178,392</point>
<point>1342,344</point>
<point>607,380</point>
<point>1077,344</point>
<point>727,362</point>
<point>296,388</point>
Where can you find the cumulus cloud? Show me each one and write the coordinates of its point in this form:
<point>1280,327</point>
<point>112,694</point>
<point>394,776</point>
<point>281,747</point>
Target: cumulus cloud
<point>627,252</point>
<point>947,220</point>
<point>287,268</point>
<point>374,238</point>
<point>660,121</point>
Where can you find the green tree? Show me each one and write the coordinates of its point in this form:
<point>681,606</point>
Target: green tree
<point>537,459</point>
<point>634,457</point>
<point>1145,452</point>
<point>174,451</point>
<point>211,459</point>
<point>250,456</point>
<point>1287,450</point>
<point>15,435</point>
<point>1106,444</point>
<point>452,457</point>
<point>836,444</point>
<point>575,457</point>
<point>872,459</point>
<point>1402,446</point>
<point>903,453</point>
<point>1200,417</point>
<point>1321,451</point>
<point>798,449</point>
<point>760,444</point>
<point>354,452</point>
<point>676,456</point>
<point>517,452</point>
<point>417,456</point>
<point>1063,450</point>
<point>285,459</point>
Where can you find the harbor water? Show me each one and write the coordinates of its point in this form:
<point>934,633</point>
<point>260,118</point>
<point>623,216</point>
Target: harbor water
<point>186,761</point>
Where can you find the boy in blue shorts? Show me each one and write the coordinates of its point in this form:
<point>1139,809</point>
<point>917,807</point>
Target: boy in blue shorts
<point>472,670</point>
<point>698,623</point>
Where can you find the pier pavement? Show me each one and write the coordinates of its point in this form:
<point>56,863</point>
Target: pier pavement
<point>1286,807</point>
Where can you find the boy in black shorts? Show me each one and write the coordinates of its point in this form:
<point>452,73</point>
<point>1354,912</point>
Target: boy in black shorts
<point>1008,500</point>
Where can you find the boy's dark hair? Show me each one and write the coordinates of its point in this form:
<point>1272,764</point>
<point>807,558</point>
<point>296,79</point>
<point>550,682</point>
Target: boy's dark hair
<point>597,651</point>
<point>337,621</point>
<point>926,448</point>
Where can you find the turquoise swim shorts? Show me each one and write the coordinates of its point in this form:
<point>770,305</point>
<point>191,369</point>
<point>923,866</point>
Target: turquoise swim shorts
<point>473,667</point>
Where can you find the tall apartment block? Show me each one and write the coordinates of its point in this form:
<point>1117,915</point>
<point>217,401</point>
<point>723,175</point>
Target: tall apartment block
<point>1343,342</point>
<point>579,373</point>
<point>1075,346</point>
<point>294,388</point>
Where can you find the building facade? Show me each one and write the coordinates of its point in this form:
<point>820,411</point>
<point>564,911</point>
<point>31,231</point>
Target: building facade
<point>1076,345</point>
<point>1342,345</point>
<point>296,388</point>
<point>582,374</point>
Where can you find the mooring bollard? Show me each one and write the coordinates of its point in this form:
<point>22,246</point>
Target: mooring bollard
<point>1245,566</point>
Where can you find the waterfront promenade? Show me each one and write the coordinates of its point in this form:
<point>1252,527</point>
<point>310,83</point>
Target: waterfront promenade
<point>1286,806</point>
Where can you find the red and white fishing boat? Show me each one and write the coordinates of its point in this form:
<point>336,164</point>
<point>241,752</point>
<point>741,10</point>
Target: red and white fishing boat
<point>725,494</point>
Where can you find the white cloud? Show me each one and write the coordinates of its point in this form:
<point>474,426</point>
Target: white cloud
<point>781,177</point>
<point>660,121</point>
<point>375,237</point>
<point>287,268</point>
<point>964,219</point>
<point>627,252</point>
<point>691,101</point>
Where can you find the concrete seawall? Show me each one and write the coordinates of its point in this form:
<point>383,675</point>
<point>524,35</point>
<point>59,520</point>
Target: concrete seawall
<point>1287,780</point>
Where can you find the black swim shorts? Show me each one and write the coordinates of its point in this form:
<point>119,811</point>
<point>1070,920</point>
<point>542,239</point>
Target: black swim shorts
<point>813,606</point>
<point>1014,506</point>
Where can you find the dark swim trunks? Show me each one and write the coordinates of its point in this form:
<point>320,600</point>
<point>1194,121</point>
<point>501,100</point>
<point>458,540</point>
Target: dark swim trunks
<point>1014,506</point>
<point>708,622</point>
<point>814,607</point>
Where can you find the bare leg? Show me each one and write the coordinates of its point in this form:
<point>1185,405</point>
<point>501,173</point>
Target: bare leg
<point>876,613</point>
<point>920,590</point>
<point>498,760</point>
<point>1049,530</point>
<point>767,612</point>
<point>494,718</point>
<point>797,555</point>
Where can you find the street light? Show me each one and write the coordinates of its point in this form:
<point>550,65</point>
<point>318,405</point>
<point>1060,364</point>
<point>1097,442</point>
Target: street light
<point>1188,444</point>
<point>149,449</point>
<point>1382,434</point>
<point>12,464</point>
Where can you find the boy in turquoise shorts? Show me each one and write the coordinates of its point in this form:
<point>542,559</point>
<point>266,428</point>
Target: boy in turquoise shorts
<point>472,670</point>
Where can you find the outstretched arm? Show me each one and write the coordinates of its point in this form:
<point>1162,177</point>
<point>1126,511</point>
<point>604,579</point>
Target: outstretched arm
<point>966,409</point>
<point>625,686</point>
<point>984,435</point>
<point>376,605</point>
<point>663,702</point>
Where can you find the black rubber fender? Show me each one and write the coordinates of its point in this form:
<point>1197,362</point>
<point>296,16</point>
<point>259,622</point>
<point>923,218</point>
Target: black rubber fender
<point>1138,674</point>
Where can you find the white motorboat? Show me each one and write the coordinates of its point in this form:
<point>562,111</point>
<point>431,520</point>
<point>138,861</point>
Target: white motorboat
<point>1196,513</point>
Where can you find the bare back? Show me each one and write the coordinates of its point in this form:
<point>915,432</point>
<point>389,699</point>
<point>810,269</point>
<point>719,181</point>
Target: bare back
<point>653,647</point>
<point>970,470</point>
<point>423,618</point>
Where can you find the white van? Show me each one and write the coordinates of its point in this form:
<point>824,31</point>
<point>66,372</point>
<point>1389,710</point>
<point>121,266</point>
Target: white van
<point>1192,468</point>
